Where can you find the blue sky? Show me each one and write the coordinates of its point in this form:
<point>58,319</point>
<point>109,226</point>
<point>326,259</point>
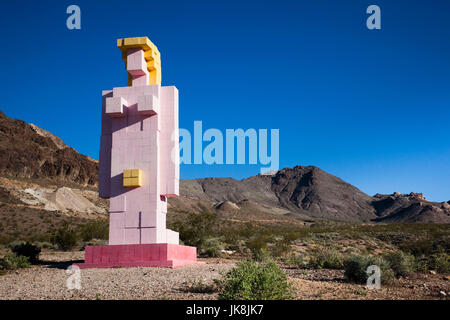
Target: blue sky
<point>369,106</point>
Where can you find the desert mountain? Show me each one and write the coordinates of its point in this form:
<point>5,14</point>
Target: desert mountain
<point>39,170</point>
<point>43,182</point>
<point>27,151</point>
<point>411,207</point>
<point>304,192</point>
<point>307,192</point>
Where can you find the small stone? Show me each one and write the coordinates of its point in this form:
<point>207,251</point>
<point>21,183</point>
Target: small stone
<point>447,277</point>
<point>432,272</point>
<point>442,293</point>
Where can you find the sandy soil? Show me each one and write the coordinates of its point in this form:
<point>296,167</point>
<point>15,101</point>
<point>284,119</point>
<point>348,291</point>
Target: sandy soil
<point>331,285</point>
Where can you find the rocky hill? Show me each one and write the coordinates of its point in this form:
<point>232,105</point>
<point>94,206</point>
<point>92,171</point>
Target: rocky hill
<point>304,192</point>
<point>39,170</point>
<point>411,207</point>
<point>307,192</point>
<point>27,151</point>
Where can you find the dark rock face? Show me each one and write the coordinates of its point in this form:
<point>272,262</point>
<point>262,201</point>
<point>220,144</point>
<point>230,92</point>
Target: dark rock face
<point>305,191</point>
<point>411,207</point>
<point>28,153</point>
<point>321,194</point>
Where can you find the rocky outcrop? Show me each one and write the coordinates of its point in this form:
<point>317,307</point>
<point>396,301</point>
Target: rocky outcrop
<point>226,206</point>
<point>318,194</point>
<point>411,207</point>
<point>27,151</point>
<point>63,199</point>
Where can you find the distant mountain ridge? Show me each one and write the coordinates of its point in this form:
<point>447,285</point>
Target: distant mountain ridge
<point>309,192</point>
<point>302,192</point>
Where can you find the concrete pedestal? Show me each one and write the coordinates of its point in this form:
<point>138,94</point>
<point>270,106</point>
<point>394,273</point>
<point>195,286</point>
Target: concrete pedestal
<point>139,255</point>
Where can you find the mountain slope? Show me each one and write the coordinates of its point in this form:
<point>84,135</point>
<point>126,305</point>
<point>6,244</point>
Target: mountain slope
<point>318,194</point>
<point>411,207</point>
<point>305,191</point>
<point>26,151</point>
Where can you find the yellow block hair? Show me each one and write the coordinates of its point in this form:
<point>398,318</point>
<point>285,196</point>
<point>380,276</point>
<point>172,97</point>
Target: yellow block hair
<point>151,53</point>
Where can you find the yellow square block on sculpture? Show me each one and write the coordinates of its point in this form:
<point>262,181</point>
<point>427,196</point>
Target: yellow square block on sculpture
<point>132,182</point>
<point>132,178</point>
<point>135,42</point>
<point>127,173</point>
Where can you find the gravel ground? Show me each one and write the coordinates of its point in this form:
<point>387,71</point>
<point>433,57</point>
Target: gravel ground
<point>48,281</point>
<point>332,285</point>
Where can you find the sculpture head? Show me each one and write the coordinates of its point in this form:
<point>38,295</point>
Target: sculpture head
<point>139,49</point>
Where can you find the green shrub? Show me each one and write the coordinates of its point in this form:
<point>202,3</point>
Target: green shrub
<point>66,238</point>
<point>258,247</point>
<point>282,247</point>
<point>212,248</point>
<point>201,287</point>
<point>251,280</point>
<point>211,251</point>
<point>95,242</point>
<point>421,263</point>
<point>45,245</point>
<point>98,229</point>
<point>231,238</point>
<point>26,249</point>
<point>426,246</point>
<point>197,229</point>
<point>356,267</point>
<point>326,259</point>
<point>296,261</point>
<point>441,262</point>
<point>12,261</point>
<point>401,263</point>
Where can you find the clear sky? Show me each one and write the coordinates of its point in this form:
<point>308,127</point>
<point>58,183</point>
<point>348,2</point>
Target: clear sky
<point>369,106</point>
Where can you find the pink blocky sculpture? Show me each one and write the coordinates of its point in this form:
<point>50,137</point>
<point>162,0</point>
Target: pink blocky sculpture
<point>139,166</point>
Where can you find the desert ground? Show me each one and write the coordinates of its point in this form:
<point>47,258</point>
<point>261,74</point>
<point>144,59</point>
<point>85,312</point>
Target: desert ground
<point>48,280</point>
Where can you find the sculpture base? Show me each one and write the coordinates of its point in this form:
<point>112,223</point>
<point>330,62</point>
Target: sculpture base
<point>139,255</point>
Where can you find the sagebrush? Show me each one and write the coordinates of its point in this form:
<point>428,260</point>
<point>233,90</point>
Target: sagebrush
<point>252,280</point>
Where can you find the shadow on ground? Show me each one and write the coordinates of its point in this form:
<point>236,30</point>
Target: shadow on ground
<point>58,264</point>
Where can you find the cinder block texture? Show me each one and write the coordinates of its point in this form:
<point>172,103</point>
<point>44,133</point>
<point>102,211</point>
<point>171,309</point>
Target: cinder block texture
<point>139,165</point>
<point>139,255</point>
<point>148,105</point>
<point>137,67</point>
<point>169,135</point>
<point>116,106</point>
<point>145,142</point>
